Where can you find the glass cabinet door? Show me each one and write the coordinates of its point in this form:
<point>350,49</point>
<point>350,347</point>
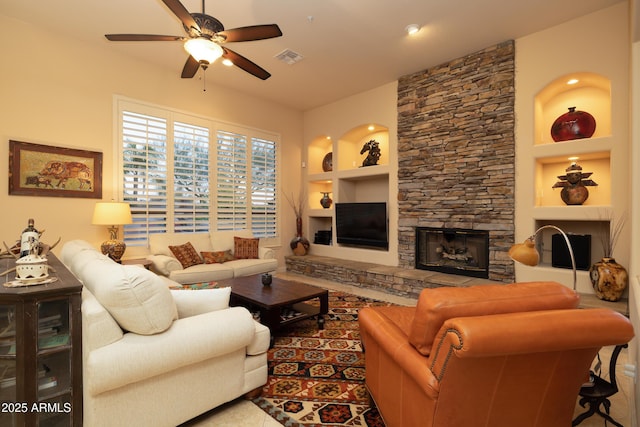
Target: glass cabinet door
<point>53,324</point>
<point>54,363</point>
<point>7,363</point>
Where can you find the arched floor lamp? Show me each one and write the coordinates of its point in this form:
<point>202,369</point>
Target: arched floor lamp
<point>527,254</point>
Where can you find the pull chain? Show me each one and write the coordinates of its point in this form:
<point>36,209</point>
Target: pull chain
<point>204,79</point>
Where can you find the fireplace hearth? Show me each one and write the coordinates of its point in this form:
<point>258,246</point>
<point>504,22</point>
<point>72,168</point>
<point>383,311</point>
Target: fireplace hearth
<point>453,250</point>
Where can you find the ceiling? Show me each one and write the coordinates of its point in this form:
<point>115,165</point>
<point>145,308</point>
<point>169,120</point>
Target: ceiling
<point>348,46</point>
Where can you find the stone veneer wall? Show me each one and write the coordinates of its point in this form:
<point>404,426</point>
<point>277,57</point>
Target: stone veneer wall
<point>456,152</point>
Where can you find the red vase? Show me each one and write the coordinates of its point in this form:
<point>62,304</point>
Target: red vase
<point>573,125</point>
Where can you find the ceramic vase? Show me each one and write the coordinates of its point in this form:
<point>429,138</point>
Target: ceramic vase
<point>299,244</point>
<point>326,201</point>
<point>267,279</point>
<point>574,194</point>
<point>573,125</point>
<point>609,279</point>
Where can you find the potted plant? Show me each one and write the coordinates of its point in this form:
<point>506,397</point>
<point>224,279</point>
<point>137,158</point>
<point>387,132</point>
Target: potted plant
<point>609,279</point>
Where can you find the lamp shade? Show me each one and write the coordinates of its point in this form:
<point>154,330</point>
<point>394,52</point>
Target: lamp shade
<point>203,50</point>
<point>525,253</point>
<point>111,213</point>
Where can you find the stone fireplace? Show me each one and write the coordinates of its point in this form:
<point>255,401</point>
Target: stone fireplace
<point>456,156</point>
<point>453,250</point>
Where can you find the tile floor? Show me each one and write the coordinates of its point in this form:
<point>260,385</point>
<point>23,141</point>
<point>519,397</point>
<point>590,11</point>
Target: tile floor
<point>243,413</point>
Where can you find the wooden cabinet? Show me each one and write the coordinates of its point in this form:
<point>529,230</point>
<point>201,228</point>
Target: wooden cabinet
<point>41,350</point>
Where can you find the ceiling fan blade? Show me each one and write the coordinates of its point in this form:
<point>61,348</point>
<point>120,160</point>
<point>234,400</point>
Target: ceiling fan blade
<point>141,37</point>
<point>190,68</point>
<point>247,65</point>
<point>182,13</point>
<point>253,32</point>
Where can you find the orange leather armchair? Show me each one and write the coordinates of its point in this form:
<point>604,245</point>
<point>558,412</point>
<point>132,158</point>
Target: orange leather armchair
<point>492,356</point>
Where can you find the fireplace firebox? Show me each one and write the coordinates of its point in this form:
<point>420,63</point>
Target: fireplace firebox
<point>453,250</point>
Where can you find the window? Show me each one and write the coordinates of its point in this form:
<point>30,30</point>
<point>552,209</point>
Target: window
<point>144,168</point>
<point>178,179</point>
<point>263,187</point>
<point>246,184</point>
<point>191,178</point>
<point>231,188</point>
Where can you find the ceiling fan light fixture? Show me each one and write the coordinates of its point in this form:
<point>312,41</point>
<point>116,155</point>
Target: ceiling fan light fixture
<point>203,50</point>
<point>412,29</point>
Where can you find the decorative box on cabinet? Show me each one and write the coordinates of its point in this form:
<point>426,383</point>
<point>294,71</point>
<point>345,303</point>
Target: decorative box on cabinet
<point>41,351</point>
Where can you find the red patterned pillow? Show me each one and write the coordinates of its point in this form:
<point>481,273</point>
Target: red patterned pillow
<point>244,248</point>
<point>186,254</point>
<point>217,257</point>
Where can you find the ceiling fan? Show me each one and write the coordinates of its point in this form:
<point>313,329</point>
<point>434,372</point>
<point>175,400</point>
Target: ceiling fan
<point>205,40</point>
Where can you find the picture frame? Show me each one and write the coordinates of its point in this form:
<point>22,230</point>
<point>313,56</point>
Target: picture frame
<point>49,171</point>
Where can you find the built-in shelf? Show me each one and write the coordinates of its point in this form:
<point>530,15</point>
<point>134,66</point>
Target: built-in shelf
<point>572,213</point>
<point>346,180</point>
<point>551,159</point>
<point>363,173</point>
<point>585,148</point>
<point>321,213</point>
<point>591,93</point>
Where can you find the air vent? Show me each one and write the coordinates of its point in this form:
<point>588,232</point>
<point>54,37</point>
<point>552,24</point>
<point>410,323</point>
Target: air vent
<point>289,57</point>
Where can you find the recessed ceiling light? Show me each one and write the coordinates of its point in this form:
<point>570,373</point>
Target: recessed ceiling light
<point>572,81</point>
<point>371,128</point>
<point>412,29</point>
<point>227,62</point>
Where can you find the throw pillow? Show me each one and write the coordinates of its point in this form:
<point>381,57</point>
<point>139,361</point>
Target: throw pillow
<point>136,298</point>
<point>186,254</point>
<point>245,248</point>
<point>217,257</point>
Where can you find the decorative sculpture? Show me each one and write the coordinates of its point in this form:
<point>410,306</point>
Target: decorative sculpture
<point>374,153</point>
<point>30,268</point>
<point>574,185</point>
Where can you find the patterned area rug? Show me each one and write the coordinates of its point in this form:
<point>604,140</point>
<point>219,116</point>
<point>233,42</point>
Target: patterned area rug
<point>316,377</point>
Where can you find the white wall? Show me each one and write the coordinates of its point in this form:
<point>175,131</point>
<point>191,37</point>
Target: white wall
<point>634,267</point>
<point>59,91</point>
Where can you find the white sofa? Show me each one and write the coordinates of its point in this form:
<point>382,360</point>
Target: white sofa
<point>159,357</point>
<point>166,264</point>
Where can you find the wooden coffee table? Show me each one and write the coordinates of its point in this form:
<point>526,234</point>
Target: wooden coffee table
<point>281,303</point>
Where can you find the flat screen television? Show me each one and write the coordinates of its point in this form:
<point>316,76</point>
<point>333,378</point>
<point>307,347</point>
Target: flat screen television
<point>362,224</point>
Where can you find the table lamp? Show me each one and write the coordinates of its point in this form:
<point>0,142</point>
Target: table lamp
<point>527,254</point>
<point>112,214</point>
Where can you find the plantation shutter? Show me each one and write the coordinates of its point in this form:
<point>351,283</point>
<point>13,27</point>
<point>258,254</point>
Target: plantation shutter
<point>263,187</point>
<point>231,188</point>
<point>191,178</point>
<point>144,157</point>
<point>176,178</point>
